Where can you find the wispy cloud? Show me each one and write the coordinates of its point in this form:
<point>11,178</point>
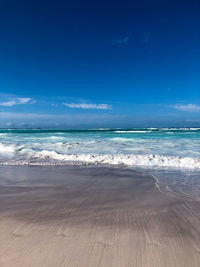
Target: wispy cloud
<point>146,39</point>
<point>87,106</point>
<point>17,101</point>
<point>123,40</point>
<point>188,107</point>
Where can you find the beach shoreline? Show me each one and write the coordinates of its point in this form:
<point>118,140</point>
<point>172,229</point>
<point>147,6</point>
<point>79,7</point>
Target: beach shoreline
<point>94,216</point>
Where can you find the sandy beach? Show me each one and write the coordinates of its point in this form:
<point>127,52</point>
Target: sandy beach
<point>94,216</point>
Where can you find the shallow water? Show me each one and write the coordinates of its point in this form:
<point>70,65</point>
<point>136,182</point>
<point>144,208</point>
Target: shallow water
<point>176,182</point>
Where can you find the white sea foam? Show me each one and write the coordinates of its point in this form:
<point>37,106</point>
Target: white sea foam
<point>133,131</point>
<point>120,139</point>
<point>121,159</point>
<point>178,129</point>
<point>6,149</point>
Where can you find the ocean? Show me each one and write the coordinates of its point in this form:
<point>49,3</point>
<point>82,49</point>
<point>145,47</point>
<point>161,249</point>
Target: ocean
<point>145,147</point>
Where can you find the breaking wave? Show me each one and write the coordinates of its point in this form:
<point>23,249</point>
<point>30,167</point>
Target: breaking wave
<point>6,150</point>
<point>46,157</point>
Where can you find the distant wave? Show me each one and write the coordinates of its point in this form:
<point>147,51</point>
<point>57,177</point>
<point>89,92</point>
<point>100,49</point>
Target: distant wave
<point>142,131</point>
<point>46,157</point>
<point>61,131</point>
<point>178,129</point>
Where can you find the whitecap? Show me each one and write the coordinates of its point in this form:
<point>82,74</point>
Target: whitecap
<point>6,149</point>
<point>149,160</point>
<point>135,131</point>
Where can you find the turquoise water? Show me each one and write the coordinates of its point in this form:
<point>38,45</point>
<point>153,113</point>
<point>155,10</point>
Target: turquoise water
<point>167,147</point>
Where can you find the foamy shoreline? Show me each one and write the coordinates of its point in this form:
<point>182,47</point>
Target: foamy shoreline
<point>46,157</point>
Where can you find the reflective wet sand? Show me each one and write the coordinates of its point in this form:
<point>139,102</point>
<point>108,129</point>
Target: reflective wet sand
<point>94,216</point>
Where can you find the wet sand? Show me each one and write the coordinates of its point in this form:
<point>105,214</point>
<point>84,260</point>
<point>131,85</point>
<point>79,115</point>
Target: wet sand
<point>92,216</point>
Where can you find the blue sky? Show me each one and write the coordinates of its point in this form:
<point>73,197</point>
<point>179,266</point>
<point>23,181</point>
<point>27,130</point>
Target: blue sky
<point>90,63</point>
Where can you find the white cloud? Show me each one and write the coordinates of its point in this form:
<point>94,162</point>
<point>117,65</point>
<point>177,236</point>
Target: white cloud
<point>16,101</point>
<point>24,100</point>
<point>123,40</point>
<point>88,106</point>
<point>188,107</point>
